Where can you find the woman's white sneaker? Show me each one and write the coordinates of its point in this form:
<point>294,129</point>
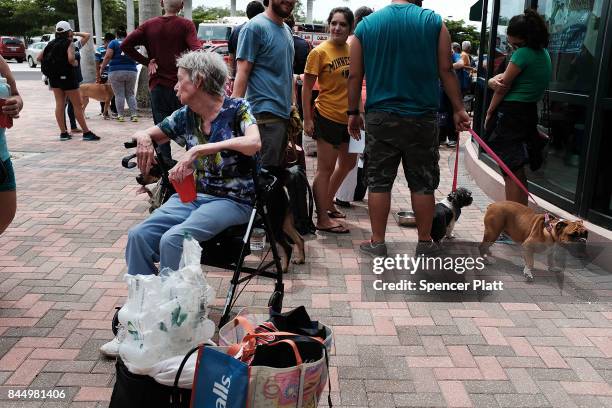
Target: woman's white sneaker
<point>111,349</point>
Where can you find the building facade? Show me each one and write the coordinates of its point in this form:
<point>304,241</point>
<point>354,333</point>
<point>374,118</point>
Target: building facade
<point>576,112</point>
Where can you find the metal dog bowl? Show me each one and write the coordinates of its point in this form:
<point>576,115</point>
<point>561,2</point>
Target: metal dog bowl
<point>406,219</point>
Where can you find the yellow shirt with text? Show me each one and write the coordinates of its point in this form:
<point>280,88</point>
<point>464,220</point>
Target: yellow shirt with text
<point>330,63</point>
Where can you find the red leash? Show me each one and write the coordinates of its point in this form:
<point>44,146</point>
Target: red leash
<point>499,161</point>
<point>456,164</point>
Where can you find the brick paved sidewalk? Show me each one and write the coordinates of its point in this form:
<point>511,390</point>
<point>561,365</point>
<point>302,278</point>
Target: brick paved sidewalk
<point>61,268</point>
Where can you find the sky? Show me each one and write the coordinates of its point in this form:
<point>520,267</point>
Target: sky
<point>457,9</point>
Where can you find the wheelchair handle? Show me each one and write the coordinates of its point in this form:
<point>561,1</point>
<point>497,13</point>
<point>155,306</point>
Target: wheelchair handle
<point>127,163</point>
<point>131,144</point>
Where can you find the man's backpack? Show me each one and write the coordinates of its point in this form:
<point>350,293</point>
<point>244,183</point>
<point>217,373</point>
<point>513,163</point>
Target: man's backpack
<point>301,200</point>
<point>55,59</point>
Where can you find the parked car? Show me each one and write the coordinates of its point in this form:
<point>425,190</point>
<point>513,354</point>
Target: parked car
<point>222,50</point>
<point>12,48</point>
<point>47,37</point>
<point>210,34</point>
<point>33,51</point>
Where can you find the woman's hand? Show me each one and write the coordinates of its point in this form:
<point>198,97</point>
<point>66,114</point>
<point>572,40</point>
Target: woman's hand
<point>184,167</point>
<point>13,106</point>
<point>497,83</point>
<point>145,153</point>
<point>309,127</point>
<point>355,125</point>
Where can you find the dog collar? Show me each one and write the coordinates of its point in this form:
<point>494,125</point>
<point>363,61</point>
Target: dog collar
<point>447,204</point>
<point>547,225</point>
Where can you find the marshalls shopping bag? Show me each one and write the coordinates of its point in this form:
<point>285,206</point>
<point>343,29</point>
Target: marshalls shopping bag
<point>221,381</point>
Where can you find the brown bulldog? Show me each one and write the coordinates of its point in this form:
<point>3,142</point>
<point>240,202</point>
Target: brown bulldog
<point>535,232</point>
<point>101,92</point>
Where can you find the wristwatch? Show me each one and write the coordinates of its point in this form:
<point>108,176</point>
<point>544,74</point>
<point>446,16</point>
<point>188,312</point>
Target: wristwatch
<point>353,112</point>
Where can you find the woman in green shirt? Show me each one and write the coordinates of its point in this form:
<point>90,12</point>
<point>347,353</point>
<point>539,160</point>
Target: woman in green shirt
<point>512,118</point>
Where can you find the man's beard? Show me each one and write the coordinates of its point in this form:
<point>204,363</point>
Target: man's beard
<point>278,10</point>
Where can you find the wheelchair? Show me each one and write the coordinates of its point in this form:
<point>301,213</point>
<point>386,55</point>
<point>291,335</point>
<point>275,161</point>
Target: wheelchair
<point>229,249</point>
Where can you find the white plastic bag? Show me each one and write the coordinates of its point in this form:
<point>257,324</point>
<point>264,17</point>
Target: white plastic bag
<point>167,314</point>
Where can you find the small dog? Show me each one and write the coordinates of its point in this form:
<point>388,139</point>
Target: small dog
<point>447,213</point>
<point>535,232</point>
<point>281,220</point>
<point>101,92</point>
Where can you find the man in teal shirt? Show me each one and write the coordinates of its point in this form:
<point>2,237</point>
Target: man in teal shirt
<point>403,51</point>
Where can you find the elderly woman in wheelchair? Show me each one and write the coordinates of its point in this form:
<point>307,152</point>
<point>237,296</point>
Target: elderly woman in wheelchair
<point>220,135</point>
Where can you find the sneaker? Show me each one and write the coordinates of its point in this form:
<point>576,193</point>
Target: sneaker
<point>134,118</point>
<point>90,137</point>
<point>65,136</point>
<point>111,349</point>
<point>427,248</point>
<point>120,118</point>
<point>374,249</point>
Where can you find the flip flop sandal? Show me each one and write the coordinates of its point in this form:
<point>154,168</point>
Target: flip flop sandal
<point>335,214</point>
<point>343,204</point>
<point>338,229</point>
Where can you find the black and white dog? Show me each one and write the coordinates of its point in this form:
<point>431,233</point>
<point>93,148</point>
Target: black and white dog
<point>447,213</point>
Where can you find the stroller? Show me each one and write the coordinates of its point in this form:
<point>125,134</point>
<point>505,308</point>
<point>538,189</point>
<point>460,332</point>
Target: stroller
<point>228,249</point>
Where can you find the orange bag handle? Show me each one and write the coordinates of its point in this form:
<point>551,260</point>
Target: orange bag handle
<point>248,341</point>
<point>298,357</point>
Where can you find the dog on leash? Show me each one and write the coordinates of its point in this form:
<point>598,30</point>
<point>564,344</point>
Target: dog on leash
<point>281,220</point>
<point>447,212</point>
<point>535,232</point>
<point>101,92</point>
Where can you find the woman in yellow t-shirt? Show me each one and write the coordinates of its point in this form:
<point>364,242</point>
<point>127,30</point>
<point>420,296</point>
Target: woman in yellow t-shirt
<point>326,123</point>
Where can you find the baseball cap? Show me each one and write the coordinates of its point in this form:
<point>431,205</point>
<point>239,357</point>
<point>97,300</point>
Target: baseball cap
<point>62,27</point>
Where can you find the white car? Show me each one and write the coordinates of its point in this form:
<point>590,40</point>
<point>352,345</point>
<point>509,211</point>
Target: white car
<point>33,51</point>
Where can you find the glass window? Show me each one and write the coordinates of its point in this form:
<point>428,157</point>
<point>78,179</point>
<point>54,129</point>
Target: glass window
<point>508,9</point>
<point>610,78</point>
<point>564,123</point>
<point>574,27</point>
<point>602,198</point>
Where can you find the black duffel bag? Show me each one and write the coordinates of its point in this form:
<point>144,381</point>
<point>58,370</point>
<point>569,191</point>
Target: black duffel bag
<point>142,391</point>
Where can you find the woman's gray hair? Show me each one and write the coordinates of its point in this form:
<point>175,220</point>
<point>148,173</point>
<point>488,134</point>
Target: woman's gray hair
<point>466,45</point>
<point>209,67</point>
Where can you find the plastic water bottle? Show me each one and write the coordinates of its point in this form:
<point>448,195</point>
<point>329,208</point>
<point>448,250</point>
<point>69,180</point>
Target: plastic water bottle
<point>258,239</point>
<point>5,120</point>
<point>5,89</point>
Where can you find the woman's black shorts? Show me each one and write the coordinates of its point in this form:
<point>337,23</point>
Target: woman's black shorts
<point>332,132</point>
<point>64,82</point>
<point>512,131</point>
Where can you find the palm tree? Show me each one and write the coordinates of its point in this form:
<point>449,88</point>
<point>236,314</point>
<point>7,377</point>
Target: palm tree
<point>233,8</point>
<point>98,21</point>
<point>146,9</point>
<point>309,4</point>
<point>129,11</point>
<point>188,9</point>
<point>88,65</point>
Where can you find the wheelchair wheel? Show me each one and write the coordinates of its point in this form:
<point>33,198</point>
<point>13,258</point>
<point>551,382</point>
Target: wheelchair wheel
<point>276,301</point>
<point>115,324</point>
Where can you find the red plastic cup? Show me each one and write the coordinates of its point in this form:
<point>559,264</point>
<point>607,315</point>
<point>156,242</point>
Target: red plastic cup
<point>186,189</point>
<point>6,121</point>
